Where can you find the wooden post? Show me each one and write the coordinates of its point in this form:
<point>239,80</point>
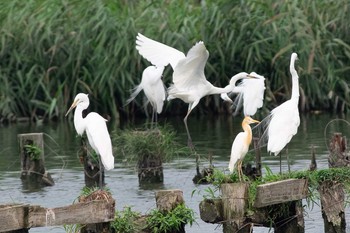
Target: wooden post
<point>210,210</point>
<point>234,202</point>
<point>337,151</point>
<point>33,173</point>
<point>257,156</point>
<point>294,222</point>
<point>91,168</point>
<point>313,164</point>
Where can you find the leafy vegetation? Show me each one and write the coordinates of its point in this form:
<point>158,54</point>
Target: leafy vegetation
<point>124,221</point>
<point>33,151</point>
<point>160,222</point>
<point>160,142</point>
<point>51,50</point>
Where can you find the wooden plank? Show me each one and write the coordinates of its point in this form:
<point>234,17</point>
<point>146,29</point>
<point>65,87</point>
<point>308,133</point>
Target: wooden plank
<point>280,192</point>
<point>12,217</point>
<point>16,217</point>
<point>80,213</point>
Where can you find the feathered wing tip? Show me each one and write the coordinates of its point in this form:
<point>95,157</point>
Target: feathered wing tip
<point>108,161</point>
<point>261,131</point>
<point>133,95</point>
<point>232,164</point>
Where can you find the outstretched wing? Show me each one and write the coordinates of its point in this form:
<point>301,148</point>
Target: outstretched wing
<point>157,53</point>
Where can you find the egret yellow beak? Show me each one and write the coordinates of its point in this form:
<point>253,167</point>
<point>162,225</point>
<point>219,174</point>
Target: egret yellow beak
<point>251,76</point>
<point>72,106</point>
<point>255,121</point>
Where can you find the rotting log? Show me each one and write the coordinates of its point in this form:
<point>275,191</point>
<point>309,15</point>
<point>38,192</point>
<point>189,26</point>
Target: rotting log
<point>280,192</point>
<point>30,216</point>
<point>33,172</point>
<point>235,203</point>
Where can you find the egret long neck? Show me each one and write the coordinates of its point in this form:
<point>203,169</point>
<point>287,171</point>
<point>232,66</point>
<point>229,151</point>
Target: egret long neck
<point>248,131</point>
<point>79,121</point>
<point>295,81</point>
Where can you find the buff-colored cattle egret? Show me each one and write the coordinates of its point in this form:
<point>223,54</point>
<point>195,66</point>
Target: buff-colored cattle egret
<point>240,146</point>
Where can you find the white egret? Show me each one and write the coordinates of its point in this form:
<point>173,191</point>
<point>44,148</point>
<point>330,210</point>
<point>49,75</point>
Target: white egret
<point>189,82</point>
<point>240,146</point>
<point>250,94</point>
<point>284,120</point>
<point>153,87</point>
<point>96,130</point>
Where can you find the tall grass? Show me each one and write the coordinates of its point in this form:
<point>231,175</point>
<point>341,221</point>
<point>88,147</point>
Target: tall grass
<point>51,50</point>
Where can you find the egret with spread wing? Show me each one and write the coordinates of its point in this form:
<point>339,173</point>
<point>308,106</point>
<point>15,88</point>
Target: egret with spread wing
<point>96,130</point>
<point>240,146</point>
<point>153,87</point>
<point>250,94</point>
<point>189,82</point>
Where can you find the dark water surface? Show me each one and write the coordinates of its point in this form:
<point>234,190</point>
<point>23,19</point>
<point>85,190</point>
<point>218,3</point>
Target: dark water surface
<point>210,136</point>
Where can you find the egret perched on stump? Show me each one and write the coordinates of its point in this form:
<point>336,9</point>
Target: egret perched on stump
<point>189,81</point>
<point>96,130</point>
<point>240,146</point>
<point>284,120</point>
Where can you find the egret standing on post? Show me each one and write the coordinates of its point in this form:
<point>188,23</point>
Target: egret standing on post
<point>189,82</point>
<point>96,130</point>
<point>154,89</point>
<point>284,120</point>
<point>240,146</point>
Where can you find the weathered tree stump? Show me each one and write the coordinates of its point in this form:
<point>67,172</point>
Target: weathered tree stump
<point>331,192</point>
<point>91,167</point>
<point>332,201</point>
<point>167,200</point>
<point>33,172</point>
<point>234,202</point>
<point>338,154</point>
<point>210,210</point>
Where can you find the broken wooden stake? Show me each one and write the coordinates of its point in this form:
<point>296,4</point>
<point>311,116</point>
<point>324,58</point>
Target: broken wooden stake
<point>33,172</point>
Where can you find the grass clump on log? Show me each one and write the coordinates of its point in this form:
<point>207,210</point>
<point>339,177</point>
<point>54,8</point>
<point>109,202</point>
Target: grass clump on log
<point>314,178</point>
<point>51,50</point>
<point>160,142</point>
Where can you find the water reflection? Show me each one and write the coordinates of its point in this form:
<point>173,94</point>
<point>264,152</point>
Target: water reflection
<point>211,136</point>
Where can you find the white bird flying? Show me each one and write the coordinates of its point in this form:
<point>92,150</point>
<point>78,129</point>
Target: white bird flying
<point>189,82</point>
<point>250,94</point>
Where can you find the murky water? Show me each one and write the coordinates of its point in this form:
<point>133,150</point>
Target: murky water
<point>210,136</point>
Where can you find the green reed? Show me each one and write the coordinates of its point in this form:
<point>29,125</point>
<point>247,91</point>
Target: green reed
<point>52,50</point>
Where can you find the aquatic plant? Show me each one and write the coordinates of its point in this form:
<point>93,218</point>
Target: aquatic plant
<point>124,221</point>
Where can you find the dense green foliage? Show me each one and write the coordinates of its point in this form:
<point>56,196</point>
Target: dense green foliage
<point>124,221</point>
<point>51,50</point>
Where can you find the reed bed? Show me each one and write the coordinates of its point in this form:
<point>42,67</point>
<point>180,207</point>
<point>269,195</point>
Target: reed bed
<point>52,50</point>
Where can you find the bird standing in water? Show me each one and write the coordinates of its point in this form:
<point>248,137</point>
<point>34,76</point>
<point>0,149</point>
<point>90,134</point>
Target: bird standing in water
<point>96,130</point>
<point>240,146</point>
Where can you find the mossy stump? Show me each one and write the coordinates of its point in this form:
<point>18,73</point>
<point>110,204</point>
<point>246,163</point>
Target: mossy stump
<point>33,172</point>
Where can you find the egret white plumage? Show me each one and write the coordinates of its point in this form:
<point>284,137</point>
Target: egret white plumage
<point>189,82</point>
<point>96,130</point>
<point>240,146</point>
<point>284,120</point>
<point>153,87</point>
<point>250,93</point>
